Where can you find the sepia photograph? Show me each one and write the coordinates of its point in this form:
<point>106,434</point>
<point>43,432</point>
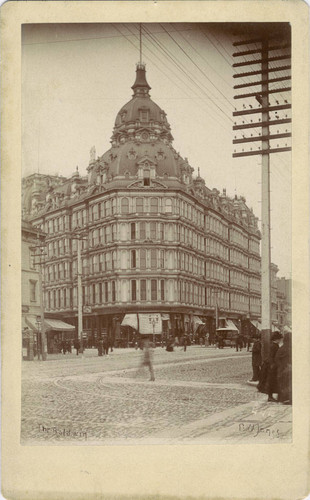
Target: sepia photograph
<point>156,233</point>
<point>155,250</point>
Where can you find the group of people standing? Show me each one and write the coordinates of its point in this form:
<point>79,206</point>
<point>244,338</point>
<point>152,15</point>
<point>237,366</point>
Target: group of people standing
<point>274,375</point>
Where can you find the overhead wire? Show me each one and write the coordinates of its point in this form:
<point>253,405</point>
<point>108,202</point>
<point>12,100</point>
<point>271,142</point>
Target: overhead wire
<point>198,96</point>
<point>206,92</point>
<point>176,63</point>
<point>198,67</point>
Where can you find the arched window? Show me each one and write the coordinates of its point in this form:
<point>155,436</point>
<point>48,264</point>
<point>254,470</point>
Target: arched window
<point>125,206</point>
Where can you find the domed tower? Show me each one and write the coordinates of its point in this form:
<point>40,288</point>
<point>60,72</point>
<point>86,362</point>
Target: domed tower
<point>142,150</point>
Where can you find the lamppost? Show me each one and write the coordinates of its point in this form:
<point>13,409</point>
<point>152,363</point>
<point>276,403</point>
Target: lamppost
<point>79,238</point>
<point>153,324</point>
<point>38,324</point>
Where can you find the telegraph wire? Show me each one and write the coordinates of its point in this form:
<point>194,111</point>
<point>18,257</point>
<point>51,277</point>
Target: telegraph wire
<point>198,67</point>
<point>179,66</point>
<point>184,83</point>
<point>90,38</point>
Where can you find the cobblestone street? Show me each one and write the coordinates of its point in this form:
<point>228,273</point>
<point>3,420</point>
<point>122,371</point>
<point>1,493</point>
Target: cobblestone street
<point>105,400</point>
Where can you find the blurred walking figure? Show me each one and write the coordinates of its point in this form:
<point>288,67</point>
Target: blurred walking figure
<point>147,361</point>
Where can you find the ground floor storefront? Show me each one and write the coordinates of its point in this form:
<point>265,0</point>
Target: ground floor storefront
<point>125,328</point>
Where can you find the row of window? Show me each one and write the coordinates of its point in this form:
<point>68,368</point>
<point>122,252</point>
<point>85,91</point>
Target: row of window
<point>236,236</point>
<point>147,258</point>
<point>143,231</point>
<point>238,258</point>
<point>152,290</point>
<point>143,205</point>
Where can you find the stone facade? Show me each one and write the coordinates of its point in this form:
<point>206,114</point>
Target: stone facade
<point>156,238</point>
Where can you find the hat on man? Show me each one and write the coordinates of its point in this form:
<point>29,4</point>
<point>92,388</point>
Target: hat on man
<point>276,336</point>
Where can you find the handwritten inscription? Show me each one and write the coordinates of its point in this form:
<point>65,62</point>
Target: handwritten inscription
<point>256,429</point>
<point>57,431</point>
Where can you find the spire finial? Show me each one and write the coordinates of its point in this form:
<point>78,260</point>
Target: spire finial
<point>140,43</point>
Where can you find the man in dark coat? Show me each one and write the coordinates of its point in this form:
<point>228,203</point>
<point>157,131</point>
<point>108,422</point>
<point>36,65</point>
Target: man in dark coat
<point>272,372</point>
<point>256,359</point>
<point>283,361</point>
<point>268,383</point>
<point>77,346</point>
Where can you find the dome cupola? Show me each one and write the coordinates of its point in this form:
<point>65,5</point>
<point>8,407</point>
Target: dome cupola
<point>140,87</point>
<point>141,119</point>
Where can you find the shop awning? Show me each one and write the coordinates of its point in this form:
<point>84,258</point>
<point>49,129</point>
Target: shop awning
<point>49,324</point>
<point>257,325</point>
<point>31,321</point>
<point>150,324</point>
<point>230,325</point>
<point>165,317</point>
<point>58,325</point>
<point>130,320</point>
<point>197,321</point>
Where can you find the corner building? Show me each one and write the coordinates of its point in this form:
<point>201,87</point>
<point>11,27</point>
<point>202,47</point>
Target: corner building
<point>156,239</point>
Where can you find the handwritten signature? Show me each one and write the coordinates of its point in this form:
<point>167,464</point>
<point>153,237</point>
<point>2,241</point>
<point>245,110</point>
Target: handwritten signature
<point>256,429</point>
<point>57,431</point>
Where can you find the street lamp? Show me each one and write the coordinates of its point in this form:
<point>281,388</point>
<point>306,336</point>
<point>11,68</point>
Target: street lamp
<point>79,238</point>
<point>153,324</point>
<point>38,323</point>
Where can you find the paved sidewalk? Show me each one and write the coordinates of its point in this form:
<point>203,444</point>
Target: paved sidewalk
<point>254,422</point>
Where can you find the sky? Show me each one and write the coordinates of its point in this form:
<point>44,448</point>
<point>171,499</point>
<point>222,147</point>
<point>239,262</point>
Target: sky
<point>76,77</point>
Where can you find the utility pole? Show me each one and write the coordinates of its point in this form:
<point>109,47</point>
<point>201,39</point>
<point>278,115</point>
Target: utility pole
<point>80,293</point>
<point>261,94</point>
<point>41,340</point>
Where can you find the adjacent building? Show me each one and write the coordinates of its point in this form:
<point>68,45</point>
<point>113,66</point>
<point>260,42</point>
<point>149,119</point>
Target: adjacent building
<point>156,241</point>
<point>31,297</point>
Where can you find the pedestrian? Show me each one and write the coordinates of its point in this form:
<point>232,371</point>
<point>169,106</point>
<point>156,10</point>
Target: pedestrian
<point>63,347</point>
<point>105,346</point>
<point>273,371</point>
<point>283,361</point>
<point>186,342</point>
<point>256,359</point>
<point>147,360</point>
<point>221,340</point>
<point>207,340</point>
<point>239,342</point>
<point>247,342</point>
<point>170,343</point>
<point>100,347</point>
<point>77,346</point>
